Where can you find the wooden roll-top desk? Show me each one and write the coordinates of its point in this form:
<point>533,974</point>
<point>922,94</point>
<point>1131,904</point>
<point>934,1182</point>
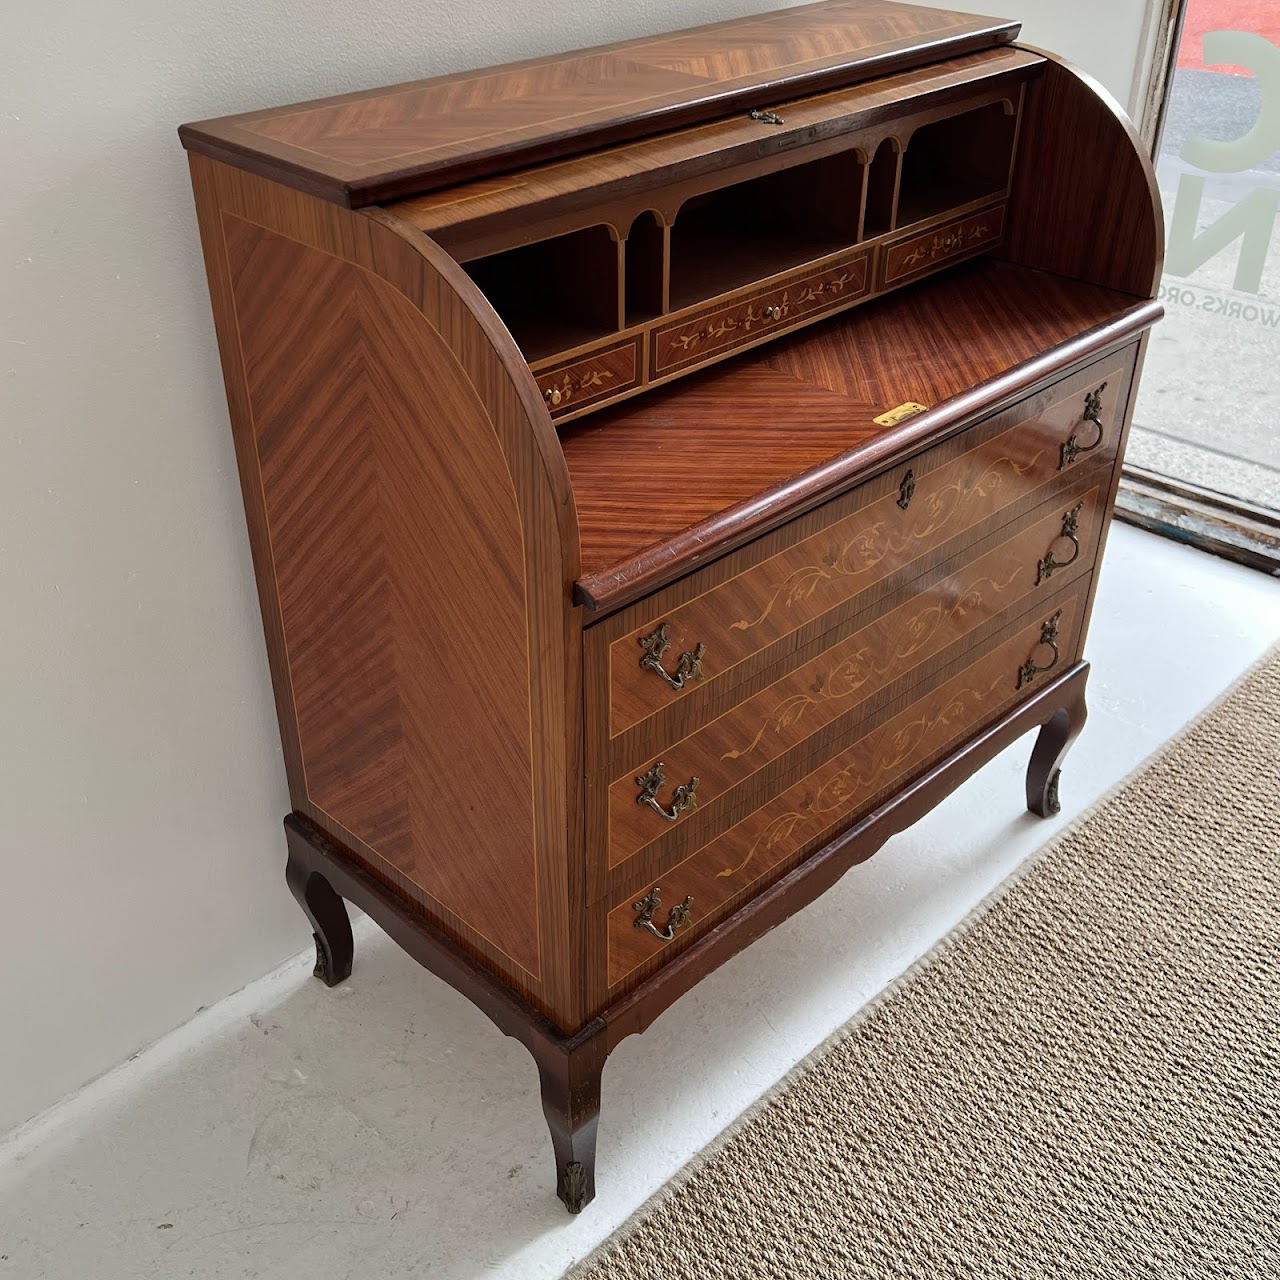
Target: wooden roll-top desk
<point>671,468</point>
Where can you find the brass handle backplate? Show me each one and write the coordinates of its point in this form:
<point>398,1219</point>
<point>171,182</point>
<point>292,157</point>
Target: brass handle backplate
<point>906,489</point>
<point>683,797</point>
<point>677,917</point>
<point>1072,449</point>
<point>656,644</point>
<point>1048,638</point>
<point>1071,532</point>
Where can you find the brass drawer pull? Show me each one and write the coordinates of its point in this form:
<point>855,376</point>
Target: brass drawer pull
<point>906,489</point>
<point>1092,413</point>
<point>773,313</point>
<point>571,384</point>
<point>677,917</point>
<point>682,798</point>
<point>1071,531</point>
<point>656,644</point>
<point>1048,637</point>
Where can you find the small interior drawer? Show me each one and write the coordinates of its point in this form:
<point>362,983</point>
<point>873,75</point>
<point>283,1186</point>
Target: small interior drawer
<point>709,883</point>
<point>918,255</point>
<point>572,384</point>
<point>725,327</point>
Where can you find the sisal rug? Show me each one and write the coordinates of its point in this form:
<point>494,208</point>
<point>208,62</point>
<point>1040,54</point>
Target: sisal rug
<point>1082,1080</point>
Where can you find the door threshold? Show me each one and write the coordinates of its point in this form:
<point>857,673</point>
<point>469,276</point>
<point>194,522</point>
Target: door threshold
<point>1223,526</point>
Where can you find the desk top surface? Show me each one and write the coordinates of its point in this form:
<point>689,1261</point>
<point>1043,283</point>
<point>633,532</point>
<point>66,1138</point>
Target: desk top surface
<point>367,147</point>
<point>680,475</point>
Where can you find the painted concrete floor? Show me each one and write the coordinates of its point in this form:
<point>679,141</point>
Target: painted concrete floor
<point>386,1130</point>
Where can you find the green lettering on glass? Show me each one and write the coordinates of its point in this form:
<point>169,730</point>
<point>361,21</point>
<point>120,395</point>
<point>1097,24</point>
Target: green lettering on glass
<point>1251,220</point>
<point>1245,49</point>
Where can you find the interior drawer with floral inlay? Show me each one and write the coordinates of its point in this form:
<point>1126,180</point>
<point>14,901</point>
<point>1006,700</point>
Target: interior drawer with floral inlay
<point>663,666</point>
<point>917,255</point>
<point>727,325</point>
<point>582,380</point>
<point>650,809</point>
<point>647,919</point>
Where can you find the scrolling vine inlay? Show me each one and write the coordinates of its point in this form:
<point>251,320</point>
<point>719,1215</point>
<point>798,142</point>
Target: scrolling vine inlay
<point>869,547</point>
<point>873,662</point>
<point>842,792</point>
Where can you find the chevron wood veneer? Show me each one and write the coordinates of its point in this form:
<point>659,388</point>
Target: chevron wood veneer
<point>366,147</point>
<point>670,469</point>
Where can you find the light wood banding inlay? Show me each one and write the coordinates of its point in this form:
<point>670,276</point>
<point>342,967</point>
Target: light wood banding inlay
<point>384,680</point>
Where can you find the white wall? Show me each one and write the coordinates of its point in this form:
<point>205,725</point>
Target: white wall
<point>141,786</point>
<point>1110,39</point>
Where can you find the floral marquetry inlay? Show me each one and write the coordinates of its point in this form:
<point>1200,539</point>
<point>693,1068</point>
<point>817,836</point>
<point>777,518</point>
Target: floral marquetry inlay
<point>584,381</point>
<point>951,240</point>
<point>879,758</point>
<point>881,658</point>
<point>740,322</point>
<point>892,537</point>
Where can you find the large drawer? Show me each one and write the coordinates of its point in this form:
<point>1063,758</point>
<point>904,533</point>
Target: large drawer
<point>711,882</point>
<point>760,606</point>
<point>656,808</point>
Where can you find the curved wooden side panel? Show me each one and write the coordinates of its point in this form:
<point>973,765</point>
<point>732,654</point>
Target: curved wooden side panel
<point>415,545</point>
<point>1085,202</point>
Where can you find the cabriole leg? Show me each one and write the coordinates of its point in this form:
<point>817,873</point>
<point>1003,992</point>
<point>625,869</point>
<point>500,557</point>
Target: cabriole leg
<point>1052,745</point>
<point>329,923</point>
<point>570,1071</point>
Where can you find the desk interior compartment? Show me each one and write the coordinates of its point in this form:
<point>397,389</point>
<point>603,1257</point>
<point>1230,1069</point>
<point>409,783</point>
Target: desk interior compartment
<point>554,294</point>
<point>722,240</point>
<point>956,161</point>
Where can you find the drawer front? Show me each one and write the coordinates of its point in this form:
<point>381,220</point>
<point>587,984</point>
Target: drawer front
<point>759,606</point>
<point>809,814</point>
<point>920,254</point>
<point>721,328</point>
<point>781,730</point>
<point>572,385</point>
